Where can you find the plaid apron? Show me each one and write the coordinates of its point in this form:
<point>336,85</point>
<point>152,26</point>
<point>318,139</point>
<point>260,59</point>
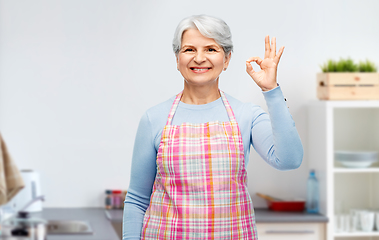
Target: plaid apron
<point>200,189</point>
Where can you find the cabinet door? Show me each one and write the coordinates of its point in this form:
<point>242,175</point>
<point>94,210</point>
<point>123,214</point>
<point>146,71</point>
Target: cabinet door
<point>291,231</point>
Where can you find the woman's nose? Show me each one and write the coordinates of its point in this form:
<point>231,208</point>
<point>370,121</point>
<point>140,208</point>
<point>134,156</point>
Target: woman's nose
<point>199,57</point>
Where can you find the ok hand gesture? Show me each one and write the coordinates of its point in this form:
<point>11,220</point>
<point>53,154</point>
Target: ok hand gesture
<point>266,77</point>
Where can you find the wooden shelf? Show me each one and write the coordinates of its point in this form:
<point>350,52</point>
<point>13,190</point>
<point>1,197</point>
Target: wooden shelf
<point>356,170</point>
<point>357,234</point>
<point>346,104</point>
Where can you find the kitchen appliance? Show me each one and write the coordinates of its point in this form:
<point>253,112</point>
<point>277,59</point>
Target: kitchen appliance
<point>31,190</point>
<point>23,227</point>
<point>276,204</point>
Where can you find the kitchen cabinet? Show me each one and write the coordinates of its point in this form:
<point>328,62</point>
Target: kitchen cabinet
<point>273,225</point>
<point>291,231</point>
<point>350,126</point>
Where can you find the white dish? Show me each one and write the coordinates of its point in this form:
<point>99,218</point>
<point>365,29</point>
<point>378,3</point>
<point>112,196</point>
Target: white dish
<point>356,156</point>
<point>356,159</point>
<point>356,164</point>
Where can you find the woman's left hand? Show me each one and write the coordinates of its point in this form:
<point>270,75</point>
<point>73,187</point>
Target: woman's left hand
<point>266,77</point>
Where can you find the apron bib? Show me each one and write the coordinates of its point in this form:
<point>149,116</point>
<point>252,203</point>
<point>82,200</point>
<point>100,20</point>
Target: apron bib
<point>200,189</point>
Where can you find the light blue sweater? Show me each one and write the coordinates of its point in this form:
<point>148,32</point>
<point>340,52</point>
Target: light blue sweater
<point>273,136</point>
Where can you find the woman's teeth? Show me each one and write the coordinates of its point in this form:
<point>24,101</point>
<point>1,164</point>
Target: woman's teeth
<point>199,69</point>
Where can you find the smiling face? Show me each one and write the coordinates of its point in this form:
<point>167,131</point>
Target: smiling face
<point>200,59</point>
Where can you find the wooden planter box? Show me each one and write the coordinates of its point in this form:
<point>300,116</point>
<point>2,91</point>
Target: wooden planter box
<point>348,86</point>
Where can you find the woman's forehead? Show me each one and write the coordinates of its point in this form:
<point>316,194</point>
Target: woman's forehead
<point>193,37</point>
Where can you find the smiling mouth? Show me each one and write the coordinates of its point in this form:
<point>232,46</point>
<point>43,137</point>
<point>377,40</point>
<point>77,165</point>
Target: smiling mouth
<point>194,69</point>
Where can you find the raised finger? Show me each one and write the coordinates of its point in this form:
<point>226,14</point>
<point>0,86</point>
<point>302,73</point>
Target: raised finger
<point>273,47</point>
<point>258,60</point>
<point>279,55</point>
<point>267,46</point>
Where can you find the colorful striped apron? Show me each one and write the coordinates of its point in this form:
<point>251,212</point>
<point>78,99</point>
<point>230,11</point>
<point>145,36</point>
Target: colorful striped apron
<point>200,189</point>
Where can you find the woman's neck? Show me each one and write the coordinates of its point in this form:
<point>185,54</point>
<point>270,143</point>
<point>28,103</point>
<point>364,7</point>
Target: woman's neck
<point>198,95</point>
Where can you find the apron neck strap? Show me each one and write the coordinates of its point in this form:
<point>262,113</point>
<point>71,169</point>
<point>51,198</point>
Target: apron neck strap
<point>228,107</point>
<point>173,108</point>
<point>177,100</point>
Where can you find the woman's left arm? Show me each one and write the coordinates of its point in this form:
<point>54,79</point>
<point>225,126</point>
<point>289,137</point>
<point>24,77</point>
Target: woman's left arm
<point>275,137</point>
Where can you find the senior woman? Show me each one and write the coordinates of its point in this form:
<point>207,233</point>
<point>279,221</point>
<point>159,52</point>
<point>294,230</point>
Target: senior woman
<point>188,178</point>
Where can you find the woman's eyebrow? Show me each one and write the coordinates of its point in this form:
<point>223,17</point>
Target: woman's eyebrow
<point>212,45</point>
<point>207,46</point>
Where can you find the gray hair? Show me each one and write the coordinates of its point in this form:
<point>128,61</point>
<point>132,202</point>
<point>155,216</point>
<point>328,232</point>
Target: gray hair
<point>208,26</point>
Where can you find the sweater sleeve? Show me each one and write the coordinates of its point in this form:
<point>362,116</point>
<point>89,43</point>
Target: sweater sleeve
<point>274,136</point>
<point>142,178</point>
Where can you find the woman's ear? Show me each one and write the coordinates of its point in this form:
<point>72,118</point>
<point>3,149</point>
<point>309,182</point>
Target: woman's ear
<point>227,60</point>
<point>177,61</point>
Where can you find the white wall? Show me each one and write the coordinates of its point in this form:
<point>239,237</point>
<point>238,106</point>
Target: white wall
<point>76,76</point>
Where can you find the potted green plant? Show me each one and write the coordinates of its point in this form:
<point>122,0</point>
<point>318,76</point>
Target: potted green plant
<point>347,80</point>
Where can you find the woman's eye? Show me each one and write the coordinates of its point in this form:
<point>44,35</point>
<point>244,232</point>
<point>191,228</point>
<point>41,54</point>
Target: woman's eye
<point>188,50</point>
<point>212,50</point>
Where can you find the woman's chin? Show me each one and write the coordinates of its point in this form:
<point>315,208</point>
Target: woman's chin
<point>201,82</point>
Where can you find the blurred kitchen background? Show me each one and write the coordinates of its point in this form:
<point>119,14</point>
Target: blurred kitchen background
<point>76,76</point>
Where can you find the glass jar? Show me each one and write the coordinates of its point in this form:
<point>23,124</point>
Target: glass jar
<point>117,199</point>
<point>108,199</point>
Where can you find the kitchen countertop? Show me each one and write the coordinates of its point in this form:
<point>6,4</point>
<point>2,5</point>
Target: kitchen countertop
<point>101,220</point>
<point>262,215</point>
<point>101,226</point>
